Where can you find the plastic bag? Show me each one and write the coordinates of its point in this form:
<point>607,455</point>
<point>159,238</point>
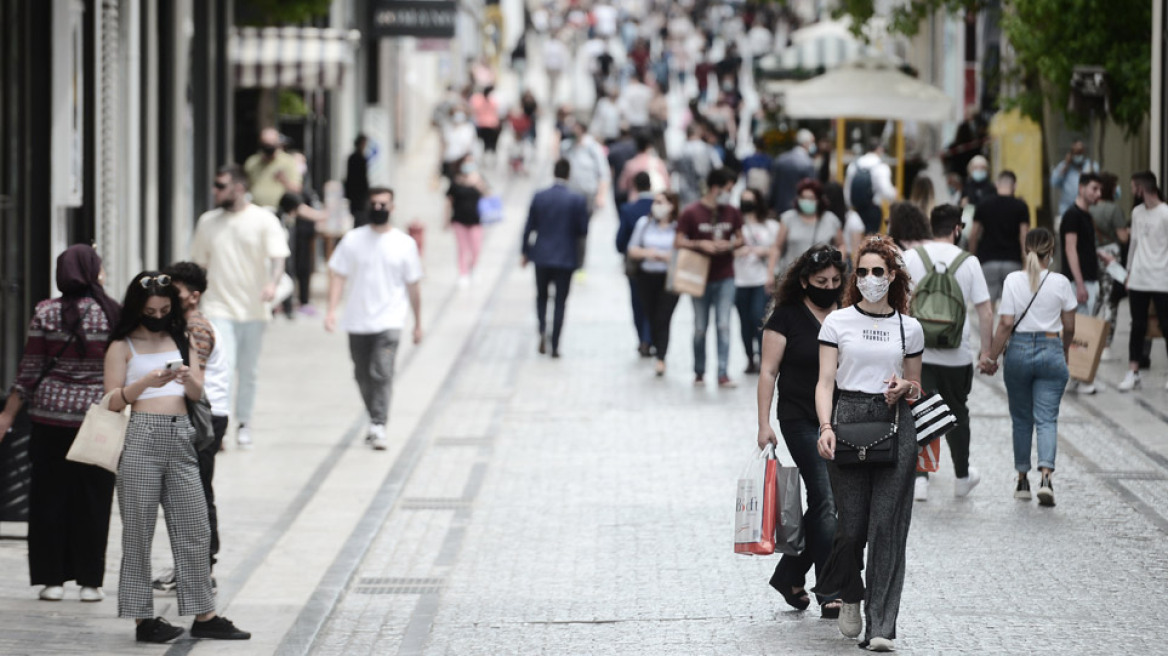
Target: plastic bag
<point>789,538</point>
<point>755,509</point>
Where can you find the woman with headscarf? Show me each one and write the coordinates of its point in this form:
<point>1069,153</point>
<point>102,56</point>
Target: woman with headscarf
<point>60,376</point>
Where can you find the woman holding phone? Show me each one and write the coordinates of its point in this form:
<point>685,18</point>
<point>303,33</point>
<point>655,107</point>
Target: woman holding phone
<point>146,369</point>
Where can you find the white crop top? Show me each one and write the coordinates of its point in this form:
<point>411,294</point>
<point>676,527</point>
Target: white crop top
<point>143,363</point>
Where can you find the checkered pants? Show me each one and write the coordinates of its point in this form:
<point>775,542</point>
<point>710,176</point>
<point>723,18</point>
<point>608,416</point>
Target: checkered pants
<point>159,465</point>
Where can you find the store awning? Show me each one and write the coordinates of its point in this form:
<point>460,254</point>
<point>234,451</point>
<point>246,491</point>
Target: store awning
<point>868,89</point>
<point>291,57</point>
<point>820,46</point>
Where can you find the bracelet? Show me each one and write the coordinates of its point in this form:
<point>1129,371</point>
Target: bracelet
<point>122,391</point>
<point>826,423</point>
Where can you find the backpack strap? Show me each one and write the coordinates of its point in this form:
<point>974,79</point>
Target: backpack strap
<point>925,259</point>
<point>958,261</point>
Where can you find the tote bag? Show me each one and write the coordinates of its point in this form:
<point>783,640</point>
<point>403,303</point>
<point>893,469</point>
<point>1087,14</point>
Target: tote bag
<point>100,439</point>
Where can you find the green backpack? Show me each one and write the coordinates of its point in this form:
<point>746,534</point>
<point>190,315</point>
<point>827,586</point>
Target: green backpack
<point>937,302</point>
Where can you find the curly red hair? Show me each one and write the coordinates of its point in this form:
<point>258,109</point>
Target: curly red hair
<point>898,293</point>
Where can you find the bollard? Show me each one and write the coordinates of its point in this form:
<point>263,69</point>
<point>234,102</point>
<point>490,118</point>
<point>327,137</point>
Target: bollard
<point>417,230</point>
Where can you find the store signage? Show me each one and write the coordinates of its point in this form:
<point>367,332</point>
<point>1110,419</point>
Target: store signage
<point>420,18</point>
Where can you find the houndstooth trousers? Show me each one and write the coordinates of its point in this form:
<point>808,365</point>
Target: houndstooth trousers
<point>159,465</point>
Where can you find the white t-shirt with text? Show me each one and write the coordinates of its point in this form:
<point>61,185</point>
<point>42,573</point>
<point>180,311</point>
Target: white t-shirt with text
<point>1055,296</point>
<point>869,346</point>
<point>970,279</point>
<point>379,266</point>
<point>236,249</point>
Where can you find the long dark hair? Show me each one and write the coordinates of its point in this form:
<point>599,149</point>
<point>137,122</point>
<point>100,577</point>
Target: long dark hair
<point>135,302</point>
<point>790,290</point>
<point>897,289</point>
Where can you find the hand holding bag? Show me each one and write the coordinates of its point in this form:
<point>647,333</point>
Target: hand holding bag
<point>755,505</point>
<point>100,439</point>
<point>865,442</point>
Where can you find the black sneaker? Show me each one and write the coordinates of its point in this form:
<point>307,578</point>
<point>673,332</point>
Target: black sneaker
<point>1046,492</point>
<point>218,628</point>
<point>1022,491</point>
<point>157,630</point>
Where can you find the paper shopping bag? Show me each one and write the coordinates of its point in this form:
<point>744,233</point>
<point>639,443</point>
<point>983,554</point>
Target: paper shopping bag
<point>789,538</point>
<point>756,505</point>
<point>100,439</point>
<point>1087,346</point>
<point>929,457</point>
<point>687,274</point>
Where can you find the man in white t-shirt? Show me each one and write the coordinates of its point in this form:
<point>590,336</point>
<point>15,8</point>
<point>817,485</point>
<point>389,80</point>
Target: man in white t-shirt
<point>384,269</point>
<point>243,247</point>
<point>1147,277</point>
<point>949,372</point>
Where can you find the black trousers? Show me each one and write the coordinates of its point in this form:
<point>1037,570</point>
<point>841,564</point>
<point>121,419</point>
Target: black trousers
<point>659,305</point>
<point>207,476</point>
<point>954,385</point>
<point>69,511</point>
<point>544,278</point>
<point>1139,302</point>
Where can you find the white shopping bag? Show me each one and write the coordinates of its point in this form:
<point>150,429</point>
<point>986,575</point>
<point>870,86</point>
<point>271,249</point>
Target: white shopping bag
<point>754,508</point>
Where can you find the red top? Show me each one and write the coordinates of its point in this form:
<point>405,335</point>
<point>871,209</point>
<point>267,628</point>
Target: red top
<point>75,383</point>
<point>697,223</point>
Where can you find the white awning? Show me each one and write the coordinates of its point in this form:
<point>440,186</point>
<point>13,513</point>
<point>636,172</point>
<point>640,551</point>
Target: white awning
<point>826,45</point>
<point>871,89</point>
<point>291,57</point>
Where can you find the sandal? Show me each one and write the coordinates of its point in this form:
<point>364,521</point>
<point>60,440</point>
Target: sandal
<point>830,610</point>
<point>796,598</point>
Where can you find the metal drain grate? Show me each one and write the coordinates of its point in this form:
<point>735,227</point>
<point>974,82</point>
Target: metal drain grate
<point>390,585</point>
<point>1133,475</point>
<point>423,503</point>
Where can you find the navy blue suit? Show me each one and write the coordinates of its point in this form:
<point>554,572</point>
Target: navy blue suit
<point>630,213</point>
<point>559,220</point>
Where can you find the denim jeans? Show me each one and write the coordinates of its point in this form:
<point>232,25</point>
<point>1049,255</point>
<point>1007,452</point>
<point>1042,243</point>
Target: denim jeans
<point>640,316</point>
<point>819,518</point>
<point>719,296</point>
<point>751,303</point>
<point>373,362</point>
<point>1036,376</point>
<point>242,341</point>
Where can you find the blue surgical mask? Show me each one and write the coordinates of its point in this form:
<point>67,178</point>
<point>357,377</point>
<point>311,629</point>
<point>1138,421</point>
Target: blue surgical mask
<point>978,175</point>
<point>807,206</point>
<point>1077,160</point>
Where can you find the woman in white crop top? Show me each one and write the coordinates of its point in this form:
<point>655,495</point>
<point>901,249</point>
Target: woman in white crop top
<point>1036,304</point>
<point>159,464</point>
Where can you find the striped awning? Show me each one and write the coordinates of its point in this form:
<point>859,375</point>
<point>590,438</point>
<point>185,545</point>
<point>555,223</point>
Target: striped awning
<point>291,57</point>
<point>824,45</point>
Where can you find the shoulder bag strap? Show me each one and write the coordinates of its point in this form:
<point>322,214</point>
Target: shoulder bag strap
<point>903,346</point>
<point>52,362</point>
<point>1023,315</point>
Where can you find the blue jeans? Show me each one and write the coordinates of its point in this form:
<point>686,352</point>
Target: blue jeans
<point>819,518</point>
<point>640,317</point>
<point>751,303</point>
<point>1036,376</point>
<point>241,342</point>
<point>720,296</point>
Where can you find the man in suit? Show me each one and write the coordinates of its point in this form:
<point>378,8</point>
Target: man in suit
<point>789,170</point>
<point>559,220</point>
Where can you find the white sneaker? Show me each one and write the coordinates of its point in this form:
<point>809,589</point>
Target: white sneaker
<point>1106,355</point>
<point>53,593</point>
<point>243,437</point>
<point>1131,380</point>
<point>921,489</point>
<point>377,437</point>
<point>849,620</point>
<point>463,282</point>
<point>92,594</point>
<point>881,644</point>
<point>963,486</point>
<point>1079,387</point>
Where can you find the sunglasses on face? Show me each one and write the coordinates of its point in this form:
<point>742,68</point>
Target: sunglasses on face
<point>827,255</point>
<point>161,280</point>
<point>863,272</point>
<point>220,186</point>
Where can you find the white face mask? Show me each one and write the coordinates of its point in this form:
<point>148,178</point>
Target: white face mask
<point>872,288</point>
<point>661,211</point>
<point>724,198</point>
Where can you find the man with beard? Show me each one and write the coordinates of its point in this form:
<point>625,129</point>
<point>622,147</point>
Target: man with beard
<point>383,264</point>
<point>272,172</point>
<point>243,247</point>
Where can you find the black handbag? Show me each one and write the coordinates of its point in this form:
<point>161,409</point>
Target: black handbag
<point>199,413</point>
<point>865,442</point>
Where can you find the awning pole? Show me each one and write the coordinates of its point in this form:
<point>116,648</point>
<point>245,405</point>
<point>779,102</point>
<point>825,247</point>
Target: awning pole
<point>840,139</point>
<point>900,159</point>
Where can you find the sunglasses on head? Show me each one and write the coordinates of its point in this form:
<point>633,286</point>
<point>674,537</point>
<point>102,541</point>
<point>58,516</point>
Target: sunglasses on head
<point>827,255</point>
<point>161,280</point>
<point>862,272</point>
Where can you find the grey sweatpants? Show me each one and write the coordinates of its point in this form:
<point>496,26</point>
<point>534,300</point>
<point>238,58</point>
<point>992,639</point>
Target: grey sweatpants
<point>373,361</point>
<point>874,506</point>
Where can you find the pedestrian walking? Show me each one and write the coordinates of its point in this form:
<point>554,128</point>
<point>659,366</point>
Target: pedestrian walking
<point>1000,224</point>
<point>867,183</point>
<point>1112,230</point>
<point>462,215</point>
<point>752,273</point>
<point>557,223</point>
<point>357,176</point>
<point>590,172</point>
<point>652,247</point>
<point>694,164</point>
<point>1080,261</point>
<point>301,219</point>
<point>809,224</point>
<point>484,108</point>
<point>458,139</point>
<point>713,227</point>
<point>853,230</point>
<point>1147,278</point>
<point>908,226</point>
<point>808,292</point>
<point>190,280</point>
<point>382,270</point>
<point>58,378</point>
<point>271,172</point>
<point>868,371</point>
<point>242,247</point>
<point>630,213</point>
<point>947,365</point>
<point>1064,177</point>
<point>1036,305</point>
<point>922,194</point>
<point>159,464</point>
<point>978,187</point>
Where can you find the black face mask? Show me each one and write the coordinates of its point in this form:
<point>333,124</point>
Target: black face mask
<point>747,208</point>
<point>268,149</point>
<point>155,324</point>
<point>821,296</point>
<point>379,217</point>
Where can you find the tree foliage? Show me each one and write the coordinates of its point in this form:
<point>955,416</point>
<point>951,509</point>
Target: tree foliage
<point>1050,38</point>
<point>279,12</point>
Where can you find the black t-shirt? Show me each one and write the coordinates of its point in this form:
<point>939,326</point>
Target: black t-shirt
<point>1000,217</point>
<point>1079,222</point>
<point>464,201</point>
<point>799,370</point>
